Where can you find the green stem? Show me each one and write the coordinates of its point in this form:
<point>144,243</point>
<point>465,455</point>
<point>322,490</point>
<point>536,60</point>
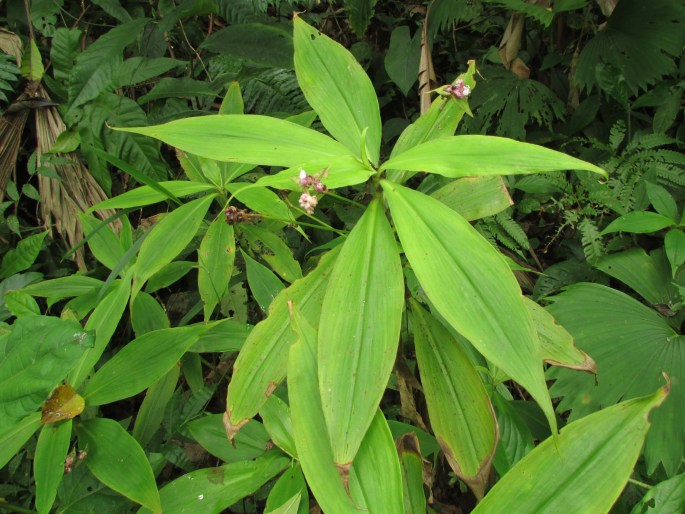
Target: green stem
<point>338,197</point>
<point>639,484</point>
<point>16,508</point>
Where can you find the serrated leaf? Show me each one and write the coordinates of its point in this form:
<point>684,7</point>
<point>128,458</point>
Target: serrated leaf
<point>248,41</point>
<point>23,256</point>
<point>470,285</point>
<point>584,469</point>
<point>338,89</point>
<point>359,340</point>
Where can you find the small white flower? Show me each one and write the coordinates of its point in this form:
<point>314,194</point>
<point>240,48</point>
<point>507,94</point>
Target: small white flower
<point>308,202</point>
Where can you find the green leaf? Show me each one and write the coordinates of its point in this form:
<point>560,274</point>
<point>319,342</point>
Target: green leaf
<point>245,138</point>
<point>169,274</point>
<point>470,285</point>
<point>67,141</point>
<point>475,197</point>
<point>359,340</point>
<point>14,437</point>
<point>275,414</point>
<point>261,200</point>
<point>674,243</point>
<point>632,346</point>
<point>64,50</point>
<point>151,411</point>
<point>459,407</point>
<point>141,69</point>
<point>183,87</point>
<point>233,100</point>
<point>34,357</point>
<point>339,172</point>
<point>139,364</point>
<point>402,59</point>
<point>338,89</point>
<point>667,497</point>
<point>48,464</point>
<point>118,461</point>
<point>215,259</point>
<point>21,304</point>
<point>147,314</point>
<point>32,63</point>
<point>248,41</point>
<point>114,9</point>
<point>226,335</point>
<point>274,251</point>
<point>102,241</point>
<point>411,462</point>
<point>583,469</point>
<point>264,284</point>
<point>638,222</point>
<point>289,494</point>
<point>662,200</point>
<point>461,156</point>
<point>168,238</point>
<point>216,489</point>
<point>146,195</point>
<point>360,13</point>
<point>64,287</point>
<point>250,442</point>
<point>262,362</point>
<point>516,440</point>
<point>23,256</point>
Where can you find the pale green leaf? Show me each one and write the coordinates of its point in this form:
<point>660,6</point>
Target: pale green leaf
<point>470,285</point>
<point>102,241</point>
<point>275,414</point>
<point>638,222</point>
<point>359,340</point>
<point>48,463</point>
<point>475,197</point>
<point>289,494</point>
<point>145,195</point>
<point>274,251</point>
<point>338,89</point>
<point>147,314</point>
<point>334,172</point>
<point>674,243</point>
<point>264,284</point>
<point>32,63</point>
<point>411,463</point>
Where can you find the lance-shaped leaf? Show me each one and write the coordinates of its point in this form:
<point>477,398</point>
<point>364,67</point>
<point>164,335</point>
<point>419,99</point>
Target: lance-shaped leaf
<point>246,138</point>
<point>34,357</point>
<point>168,238</point>
<point>412,464</point>
<point>213,490</point>
<point>118,461</point>
<point>460,411</point>
<point>338,89</point>
<point>48,464</point>
<point>12,439</point>
<point>377,457</point>
<point>263,360</point>
<point>215,263</point>
<point>359,330</point>
<point>557,346</point>
<point>338,172</point>
<point>583,470</point>
<point>461,156</point>
<point>471,286</point>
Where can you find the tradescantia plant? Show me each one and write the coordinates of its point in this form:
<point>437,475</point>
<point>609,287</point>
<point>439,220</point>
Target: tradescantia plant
<point>333,334</point>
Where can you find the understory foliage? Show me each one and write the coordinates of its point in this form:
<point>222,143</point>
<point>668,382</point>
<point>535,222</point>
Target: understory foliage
<point>259,253</point>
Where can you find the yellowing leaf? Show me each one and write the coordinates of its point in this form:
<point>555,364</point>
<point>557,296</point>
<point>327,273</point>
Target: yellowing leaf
<point>64,403</point>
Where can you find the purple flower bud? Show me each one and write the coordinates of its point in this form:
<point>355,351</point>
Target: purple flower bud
<point>459,89</point>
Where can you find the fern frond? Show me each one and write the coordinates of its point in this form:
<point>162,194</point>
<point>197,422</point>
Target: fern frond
<point>647,141</point>
<point>445,13</point>
<point>617,134</point>
<point>9,76</point>
<point>274,90</point>
<point>593,247</point>
<point>512,229</point>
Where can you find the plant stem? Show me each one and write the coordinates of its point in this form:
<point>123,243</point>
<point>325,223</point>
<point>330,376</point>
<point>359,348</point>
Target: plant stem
<point>16,508</point>
<point>639,484</point>
<point>338,197</point>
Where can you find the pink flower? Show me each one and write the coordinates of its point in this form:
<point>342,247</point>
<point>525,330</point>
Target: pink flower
<point>304,178</point>
<point>308,202</point>
<point>459,89</point>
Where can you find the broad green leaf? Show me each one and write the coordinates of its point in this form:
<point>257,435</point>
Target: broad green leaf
<point>260,199</point>
<point>14,437</point>
<point>215,259</point>
<point>64,49</point>
<point>274,251</point>
<point>23,256</point>
<point>275,414</point>
<point>262,362</point>
<point>249,41</point>
<point>169,274</point>
<point>114,9</point>
<point>146,195</point>
<point>289,494</point>
<point>250,442</point>
<point>583,469</point>
<point>233,100</point>
<point>667,497</point>
<point>102,241</point>
<point>377,456</point>
<point>118,461</point>
<point>662,200</point>
<point>34,357</point>
<point>557,346</point>
<point>104,321</point>
<point>151,411</point>
<point>250,139</point>
<point>402,60</point>
<point>632,345</point>
<point>264,284</point>
<point>141,69</point>
<point>638,222</point>
<point>139,364</point>
<point>64,287</point>
<point>80,493</point>
<point>516,440</point>
<point>21,304</point>
<point>48,464</point>
<point>470,285</point>
<point>32,63</point>
<point>147,314</point>
<point>168,238</point>
<point>337,172</point>
<point>358,342</point>
<point>309,427</point>
<point>182,87</point>
<point>411,463</point>
<point>360,13</point>
<point>459,407</point>
<point>226,335</point>
<point>461,156</point>
<point>475,197</point>
<point>648,275</point>
<point>674,243</point>
<point>212,490</point>
<point>338,89</point>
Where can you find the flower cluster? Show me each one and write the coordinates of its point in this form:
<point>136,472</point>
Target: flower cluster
<point>459,89</point>
<point>309,201</point>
